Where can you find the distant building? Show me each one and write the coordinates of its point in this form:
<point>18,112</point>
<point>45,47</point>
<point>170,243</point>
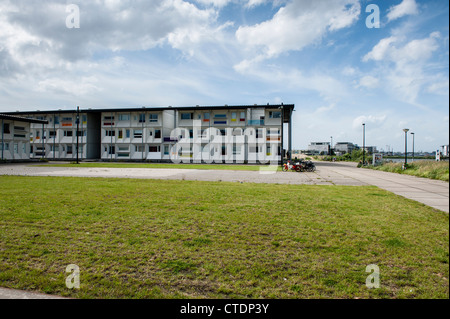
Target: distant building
<point>321,148</point>
<point>345,147</point>
<point>371,149</point>
<point>444,150</point>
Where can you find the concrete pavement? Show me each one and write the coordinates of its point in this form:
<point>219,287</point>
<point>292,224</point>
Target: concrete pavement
<point>19,294</point>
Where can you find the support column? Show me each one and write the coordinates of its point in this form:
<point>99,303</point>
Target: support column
<point>3,136</point>
<point>282,135</point>
<point>290,135</point>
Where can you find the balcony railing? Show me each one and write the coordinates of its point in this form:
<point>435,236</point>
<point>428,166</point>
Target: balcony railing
<point>256,122</point>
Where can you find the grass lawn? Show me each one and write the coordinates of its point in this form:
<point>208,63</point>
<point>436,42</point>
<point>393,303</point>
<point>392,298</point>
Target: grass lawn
<point>235,167</point>
<point>183,239</point>
<point>426,169</point>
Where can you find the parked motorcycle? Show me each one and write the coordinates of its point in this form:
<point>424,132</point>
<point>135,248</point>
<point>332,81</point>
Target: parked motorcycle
<point>308,166</point>
<point>292,167</point>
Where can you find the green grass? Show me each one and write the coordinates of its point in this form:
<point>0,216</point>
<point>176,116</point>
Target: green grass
<point>183,239</point>
<point>426,169</point>
<point>235,167</point>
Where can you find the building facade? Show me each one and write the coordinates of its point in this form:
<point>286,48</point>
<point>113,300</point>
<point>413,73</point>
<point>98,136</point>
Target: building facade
<point>15,137</point>
<point>320,148</point>
<point>345,147</point>
<point>220,134</point>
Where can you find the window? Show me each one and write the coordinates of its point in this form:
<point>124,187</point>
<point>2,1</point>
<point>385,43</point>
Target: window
<point>108,118</point>
<point>220,116</point>
<point>223,132</point>
<point>154,149</point>
<point>69,149</point>
<point>110,133</point>
<point>124,148</point>
<point>233,117</point>
<point>56,120</point>
<point>157,133</point>
<point>121,155</point>
<point>111,150</point>
<point>166,149</point>
<point>81,133</point>
<point>259,133</point>
<point>6,146</point>
<point>253,149</point>
<point>140,149</point>
<point>84,119</point>
<point>154,118</point>
<point>141,118</point>
<point>137,134</point>
<point>120,134</point>
<point>19,128</point>
<point>206,117</point>
<point>52,134</point>
<point>6,128</point>
<point>54,148</point>
<point>67,119</point>
<point>187,116</point>
<point>16,148</point>
<point>124,117</point>
<point>127,133</point>
<point>242,118</point>
<point>236,150</point>
<point>66,133</point>
<point>275,115</point>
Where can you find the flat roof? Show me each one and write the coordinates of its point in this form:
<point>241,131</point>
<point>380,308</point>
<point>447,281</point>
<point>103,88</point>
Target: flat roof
<point>21,119</point>
<point>287,107</point>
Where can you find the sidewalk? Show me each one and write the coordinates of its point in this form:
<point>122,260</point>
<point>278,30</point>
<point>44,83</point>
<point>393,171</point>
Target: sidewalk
<point>18,294</point>
<point>433,193</point>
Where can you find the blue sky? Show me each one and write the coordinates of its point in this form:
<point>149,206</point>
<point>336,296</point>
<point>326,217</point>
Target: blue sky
<point>319,55</point>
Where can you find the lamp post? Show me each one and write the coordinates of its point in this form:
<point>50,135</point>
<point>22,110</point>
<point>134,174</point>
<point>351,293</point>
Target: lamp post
<point>406,130</point>
<point>331,146</point>
<point>413,135</point>
<point>364,143</point>
<point>78,133</point>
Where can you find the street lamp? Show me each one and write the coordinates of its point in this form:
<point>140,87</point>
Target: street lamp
<point>413,134</point>
<point>364,143</point>
<point>331,146</point>
<point>406,130</point>
<point>78,133</point>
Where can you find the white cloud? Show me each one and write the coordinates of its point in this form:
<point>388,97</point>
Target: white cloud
<point>407,7</point>
<point>298,25</point>
<point>380,51</point>
<point>370,119</point>
<point>369,81</point>
<point>403,65</point>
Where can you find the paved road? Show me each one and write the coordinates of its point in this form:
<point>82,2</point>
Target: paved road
<point>430,192</point>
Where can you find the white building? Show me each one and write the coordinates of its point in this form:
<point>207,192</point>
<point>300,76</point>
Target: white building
<point>15,137</point>
<point>228,134</point>
<point>321,148</point>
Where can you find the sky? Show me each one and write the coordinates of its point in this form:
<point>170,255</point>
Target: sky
<point>328,57</point>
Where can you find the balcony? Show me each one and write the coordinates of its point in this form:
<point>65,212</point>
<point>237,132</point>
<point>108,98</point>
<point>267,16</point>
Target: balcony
<point>256,122</point>
<point>170,139</point>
